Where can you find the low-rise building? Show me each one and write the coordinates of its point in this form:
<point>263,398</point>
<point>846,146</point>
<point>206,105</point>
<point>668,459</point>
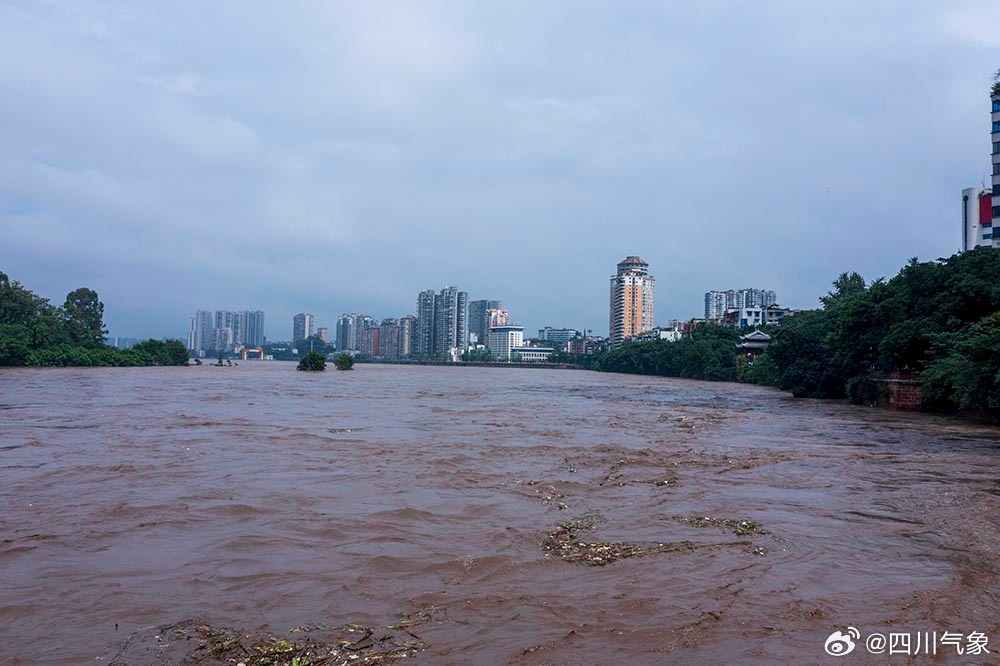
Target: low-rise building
<point>560,335</point>
<point>750,317</point>
<point>532,354</point>
<point>687,328</point>
<point>754,341</point>
<point>672,335</point>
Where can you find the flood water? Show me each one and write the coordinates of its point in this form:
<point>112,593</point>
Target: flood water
<point>258,497</point>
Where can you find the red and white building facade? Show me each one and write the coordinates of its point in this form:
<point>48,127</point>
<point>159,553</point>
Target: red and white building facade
<point>981,207</point>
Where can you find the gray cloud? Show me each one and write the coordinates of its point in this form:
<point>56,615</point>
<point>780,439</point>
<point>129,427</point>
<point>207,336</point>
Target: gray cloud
<point>341,156</point>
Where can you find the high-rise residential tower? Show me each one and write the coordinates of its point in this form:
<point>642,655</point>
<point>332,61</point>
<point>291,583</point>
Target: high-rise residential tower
<point>995,139</point>
<point>451,321</point>
<point>388,339</point>
<point>192,336</point>
<point>303,326</point>
<point>204,324</point>
<point>717,303</point>
<point>479,322</point>
<point>407,335</point>
<point>253,332</point>
<point>981,206</point>
<point>222,329</point>
<point>632,293</point>
<point>442,323</point>
<point>424,344</point>
<point>350,329</point>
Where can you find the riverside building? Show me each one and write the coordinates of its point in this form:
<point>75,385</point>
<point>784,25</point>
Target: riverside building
<point>718,303</point>
<point>981,206</point>
<point>632,293</point>
<point>442,323</point>
<point>504,339</point>
<point>303,326</point>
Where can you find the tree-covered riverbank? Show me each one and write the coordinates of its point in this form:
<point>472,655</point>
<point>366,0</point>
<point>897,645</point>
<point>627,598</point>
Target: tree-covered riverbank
<point>33,332</point>
<point>938,321</point>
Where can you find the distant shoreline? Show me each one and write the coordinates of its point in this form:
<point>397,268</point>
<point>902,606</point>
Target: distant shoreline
<point>479,364</point>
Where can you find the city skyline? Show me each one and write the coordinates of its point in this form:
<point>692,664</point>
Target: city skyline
<point>306,162</point>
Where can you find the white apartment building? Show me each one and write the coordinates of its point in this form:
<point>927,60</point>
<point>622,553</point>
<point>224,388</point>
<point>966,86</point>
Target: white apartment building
<point>503,340</point>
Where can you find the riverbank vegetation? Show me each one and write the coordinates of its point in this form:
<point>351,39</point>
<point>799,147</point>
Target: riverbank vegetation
<point>935,321</point>
<point>33,332</point>
<point>710,353</point>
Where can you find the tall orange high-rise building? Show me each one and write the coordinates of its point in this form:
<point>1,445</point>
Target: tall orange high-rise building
<point>631,300</point>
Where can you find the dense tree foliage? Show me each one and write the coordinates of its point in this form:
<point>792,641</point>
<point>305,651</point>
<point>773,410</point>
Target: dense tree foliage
<point>35,332</point>
<point>710,353</point>
<point>932,320</point>
<point>312,362</point>
<point>83,317</point>
<point>965,370</point>
<point>344,362</point>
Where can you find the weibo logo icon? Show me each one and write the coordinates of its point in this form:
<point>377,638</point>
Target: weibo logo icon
<point>839,643</point>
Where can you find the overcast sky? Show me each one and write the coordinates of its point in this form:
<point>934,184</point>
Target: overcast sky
<point>340,156</point>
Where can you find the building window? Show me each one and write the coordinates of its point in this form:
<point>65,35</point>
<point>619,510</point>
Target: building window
<point>996,212</point>
<point>996,127</point>
<point>996,105</point>
<point>996,147</point>
<point>987,236</point>
<point>996,169</point>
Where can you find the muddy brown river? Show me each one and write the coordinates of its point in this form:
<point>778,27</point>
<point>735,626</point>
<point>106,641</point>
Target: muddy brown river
<point>482,516</point>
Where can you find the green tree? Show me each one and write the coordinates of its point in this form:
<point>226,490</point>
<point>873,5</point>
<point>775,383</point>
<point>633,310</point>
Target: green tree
<point>15,344</point>
<point>344,362</point>
<point>965,373</point>
<point>312,362</point>
<point>478,356</point>
<point>83,313</point>
<point>18,306</point>
<point>845,286</point>
<point>27,322</point>
<point>158,352</point>
<point>802,352</point>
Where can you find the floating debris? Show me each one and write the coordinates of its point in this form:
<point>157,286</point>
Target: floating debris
<point>737,527</point>
<point>198,643</point>
<point>425,614</point>
<point>546,494</point>
<point>567,544</point>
